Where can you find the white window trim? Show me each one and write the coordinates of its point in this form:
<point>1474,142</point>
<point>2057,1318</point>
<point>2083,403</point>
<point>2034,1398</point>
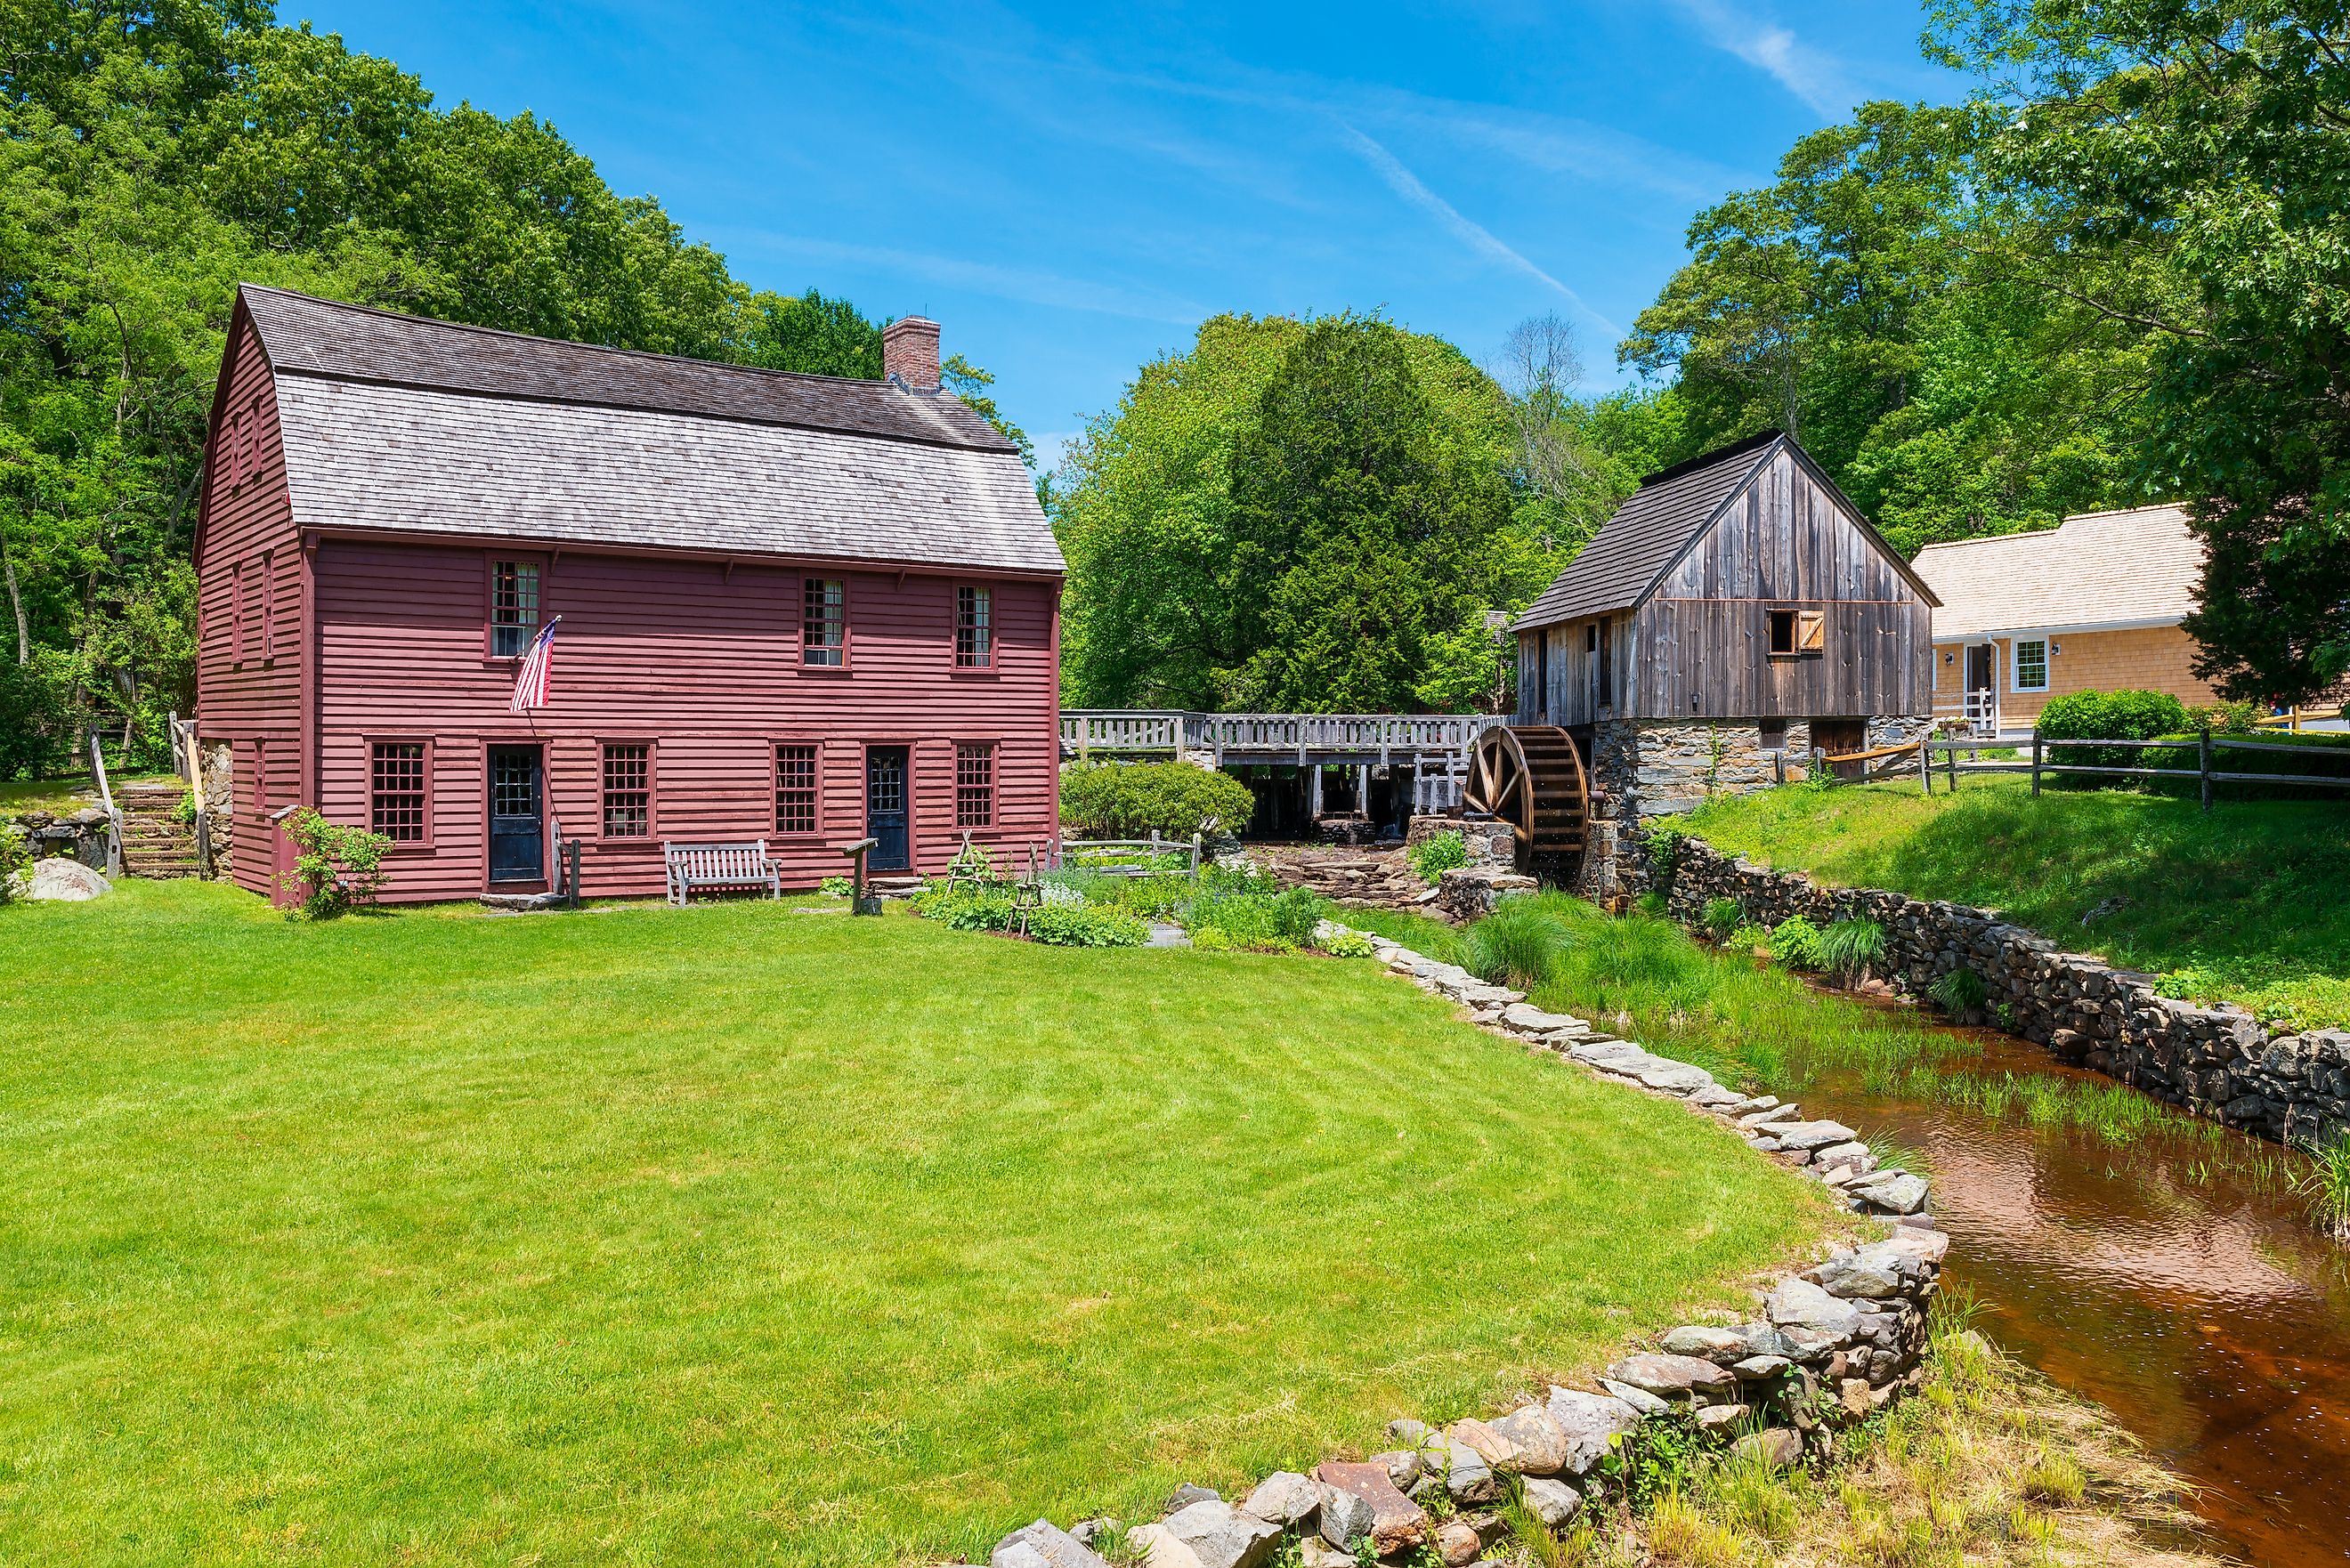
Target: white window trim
<point>2015,664</point>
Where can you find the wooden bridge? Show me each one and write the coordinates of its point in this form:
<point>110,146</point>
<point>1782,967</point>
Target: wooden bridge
<point>1434,746</point>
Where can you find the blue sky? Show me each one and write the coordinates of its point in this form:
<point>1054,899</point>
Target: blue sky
<point>1070,189</point>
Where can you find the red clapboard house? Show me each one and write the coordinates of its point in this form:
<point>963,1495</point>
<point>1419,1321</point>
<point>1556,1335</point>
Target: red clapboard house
<point>796,608</point>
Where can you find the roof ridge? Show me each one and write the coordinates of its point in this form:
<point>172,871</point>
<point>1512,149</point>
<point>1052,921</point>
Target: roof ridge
<point>1689,465</point>
<point>443,323</point>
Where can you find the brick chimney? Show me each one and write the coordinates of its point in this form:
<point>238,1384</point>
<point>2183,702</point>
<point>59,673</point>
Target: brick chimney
<point>909,353</point>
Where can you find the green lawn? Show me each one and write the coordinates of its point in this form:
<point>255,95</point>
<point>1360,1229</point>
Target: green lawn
<point>2249,904</point>
<point>737,1235</point>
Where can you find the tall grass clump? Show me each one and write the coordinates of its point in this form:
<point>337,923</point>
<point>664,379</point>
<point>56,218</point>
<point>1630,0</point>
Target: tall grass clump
<point>1722,916</point>
<point>2326,1186</point>
<point>1959,991</point>
<point>1518,945</point>
<point>1850,948</point>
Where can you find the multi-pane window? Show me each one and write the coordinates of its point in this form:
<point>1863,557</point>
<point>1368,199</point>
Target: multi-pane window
<point>974,786</point>
<point>974,628</point>
<point>627,791</point>
<point>796,789</point>
<point>396,790</point>
<point>824,622</point>
<point>514,607</point>
<point>2031,664</point>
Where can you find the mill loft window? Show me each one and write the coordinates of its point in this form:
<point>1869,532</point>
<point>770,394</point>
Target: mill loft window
<point>824,622</point>
<point>1795,632</point>
<point>796,789</point>
<point>974,628</point>
<point>974,786</point>
<point>514,607</point>
<point>2031,664</point>
<point>396,790</point>
<point>1591,638</point>
<point>627,791</point>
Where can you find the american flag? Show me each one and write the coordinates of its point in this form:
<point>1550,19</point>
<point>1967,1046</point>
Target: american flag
<point>530,680</point>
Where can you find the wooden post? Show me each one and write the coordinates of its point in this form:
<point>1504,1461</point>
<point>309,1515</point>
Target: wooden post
<point>2204,764</point>
<point>2036,762</point>
<point>860,901</point>
<point>106,797</point>
<point>571,870</point>
<point>1314,794</point>
<point>1926,765</point>
<point>1953,756</point>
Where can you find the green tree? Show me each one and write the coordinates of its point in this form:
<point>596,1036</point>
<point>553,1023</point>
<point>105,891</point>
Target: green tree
<point>2206,143</point>
<point>1312,514</point>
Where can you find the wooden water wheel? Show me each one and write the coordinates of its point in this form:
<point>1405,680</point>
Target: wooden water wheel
<point>1532,777</point>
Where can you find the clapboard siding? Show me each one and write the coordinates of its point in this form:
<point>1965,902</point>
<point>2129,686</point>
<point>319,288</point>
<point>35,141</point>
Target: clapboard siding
<point>702,663</point>
<point>251,586</point>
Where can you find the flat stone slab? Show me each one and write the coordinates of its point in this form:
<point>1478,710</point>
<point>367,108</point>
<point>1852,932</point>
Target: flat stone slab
<point>1211,1534</point>
<point>1674,1077</point>
<point>1810,1135</point>
<point>1799,1304</point>
<point>1592,1423</point>
<point>1892,1191</point>
<point>1526,1015</point>
<point>1671,1376</point>
<point>1720,1345</point>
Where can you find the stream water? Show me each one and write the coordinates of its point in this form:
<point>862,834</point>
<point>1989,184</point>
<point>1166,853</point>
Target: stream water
<point>2198,1306</point>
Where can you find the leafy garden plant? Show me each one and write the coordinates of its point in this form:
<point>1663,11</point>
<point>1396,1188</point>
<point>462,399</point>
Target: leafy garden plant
<point>1432,856</point>
<point>337,867</point>
<point>1795,944</point>
<point>15,859</point>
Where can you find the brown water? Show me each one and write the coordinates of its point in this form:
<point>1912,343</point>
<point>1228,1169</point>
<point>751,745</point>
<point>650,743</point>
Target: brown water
<point>2205,1312</point>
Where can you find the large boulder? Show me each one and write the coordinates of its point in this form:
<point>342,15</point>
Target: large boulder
<point>1592,1423</point>
<point>1542,1442</point>
<point>1799,1304</point>
<point>1672,1376</point>
<point>1041,1545</point>
<point>1346,1518</point>
<point>1284,1497</point>
<point>1892,1191</point>
<point>1721,1346</point>
<point>64,881</point>
<point>1553,1503</point>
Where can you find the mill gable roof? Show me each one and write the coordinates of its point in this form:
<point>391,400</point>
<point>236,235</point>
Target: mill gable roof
<point>406,424</point>
<point>2134,567</point>
<point>1661,521</point>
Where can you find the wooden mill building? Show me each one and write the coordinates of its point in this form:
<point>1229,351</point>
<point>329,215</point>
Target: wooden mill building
<point>796,608</point>
<point>1736,612</point>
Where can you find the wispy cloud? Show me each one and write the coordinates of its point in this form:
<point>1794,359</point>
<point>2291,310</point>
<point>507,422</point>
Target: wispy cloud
<point>1819,78</point>
<point>1467,230</point>
<point>1022,284</point>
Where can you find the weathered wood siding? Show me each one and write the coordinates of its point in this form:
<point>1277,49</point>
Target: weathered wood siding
<point>703,665</point>
<point>250,578</point>
<point>1571,692</point>
<point>1701,647</point>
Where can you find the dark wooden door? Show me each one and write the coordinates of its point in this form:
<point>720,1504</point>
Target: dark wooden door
<point>885,808</point>
<point>518,816</point>
<point>1838,737</point>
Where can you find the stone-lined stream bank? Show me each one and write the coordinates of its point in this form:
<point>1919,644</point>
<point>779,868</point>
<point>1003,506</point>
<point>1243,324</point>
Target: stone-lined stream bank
<point>2200,1308</point>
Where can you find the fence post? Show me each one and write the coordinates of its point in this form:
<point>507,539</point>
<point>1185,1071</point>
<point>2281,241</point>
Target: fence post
<point>2036,762</point>
<point>2205,765</point>
<point>1926,765</point>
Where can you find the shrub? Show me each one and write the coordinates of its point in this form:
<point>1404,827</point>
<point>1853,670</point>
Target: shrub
<point>15,859</point>
<point>1255,921</point>
<point>1796,943</point>
<point>1664,846</point>
<point>1746,939</point>
<point>1518,945</point>
<point>2238,718</point>
<point>1346,944</point>
<point>336,867</point>
<point>1849,949</point>
<point>2127,715</point>
<point>1722,916</point>
<point>1961,991</point>
<point>966,908</point>
<point>1437,853</point>
<point>1085,926</point>
<point>1128,800</point>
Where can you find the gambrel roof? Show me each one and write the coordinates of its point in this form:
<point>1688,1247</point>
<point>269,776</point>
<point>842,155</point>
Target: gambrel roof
<point>406,424</point>
<point>1660,522</point>
<point>2137,568</point>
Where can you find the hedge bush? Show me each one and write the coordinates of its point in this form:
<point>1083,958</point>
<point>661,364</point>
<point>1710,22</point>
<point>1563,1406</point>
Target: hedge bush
<point>2127,715</point>
<point>1130,800</point>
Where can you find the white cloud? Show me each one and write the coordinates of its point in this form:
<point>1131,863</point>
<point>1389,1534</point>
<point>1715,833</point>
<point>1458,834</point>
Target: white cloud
<point>1813,75</point>
<point>1468,231</point>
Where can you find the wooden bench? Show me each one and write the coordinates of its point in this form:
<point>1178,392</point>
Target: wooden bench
<point>692,865</point>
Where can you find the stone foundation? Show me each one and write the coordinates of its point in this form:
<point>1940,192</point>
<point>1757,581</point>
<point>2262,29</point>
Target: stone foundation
<point>1662,767</point>
<point>2217,1062</point>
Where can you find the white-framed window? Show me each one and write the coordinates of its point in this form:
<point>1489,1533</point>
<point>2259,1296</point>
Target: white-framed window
<point>2031,664</point>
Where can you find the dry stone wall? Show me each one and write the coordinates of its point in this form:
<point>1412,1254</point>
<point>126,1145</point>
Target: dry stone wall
<point>1821,1350</point>
<point>2223,1062</point>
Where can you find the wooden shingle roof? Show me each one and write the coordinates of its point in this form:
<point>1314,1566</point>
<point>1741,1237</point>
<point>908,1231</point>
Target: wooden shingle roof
<point>420,427</point>
<point>1657,524</point>
<point>1649,533</point>
<point>2136,568</point>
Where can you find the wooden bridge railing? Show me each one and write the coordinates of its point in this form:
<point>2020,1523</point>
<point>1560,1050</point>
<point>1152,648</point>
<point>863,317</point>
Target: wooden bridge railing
<point>1270,735</point>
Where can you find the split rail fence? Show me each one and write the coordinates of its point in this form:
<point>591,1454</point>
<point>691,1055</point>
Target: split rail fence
<point>2043,763</point>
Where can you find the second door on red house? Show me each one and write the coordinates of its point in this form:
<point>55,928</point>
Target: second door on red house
<point>885,808</point>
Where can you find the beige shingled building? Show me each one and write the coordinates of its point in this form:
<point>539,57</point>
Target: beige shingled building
<point>2093,603</point>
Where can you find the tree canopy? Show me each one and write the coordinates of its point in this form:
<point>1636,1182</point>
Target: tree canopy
<point>154,155</point>
<point>1320,515</point>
